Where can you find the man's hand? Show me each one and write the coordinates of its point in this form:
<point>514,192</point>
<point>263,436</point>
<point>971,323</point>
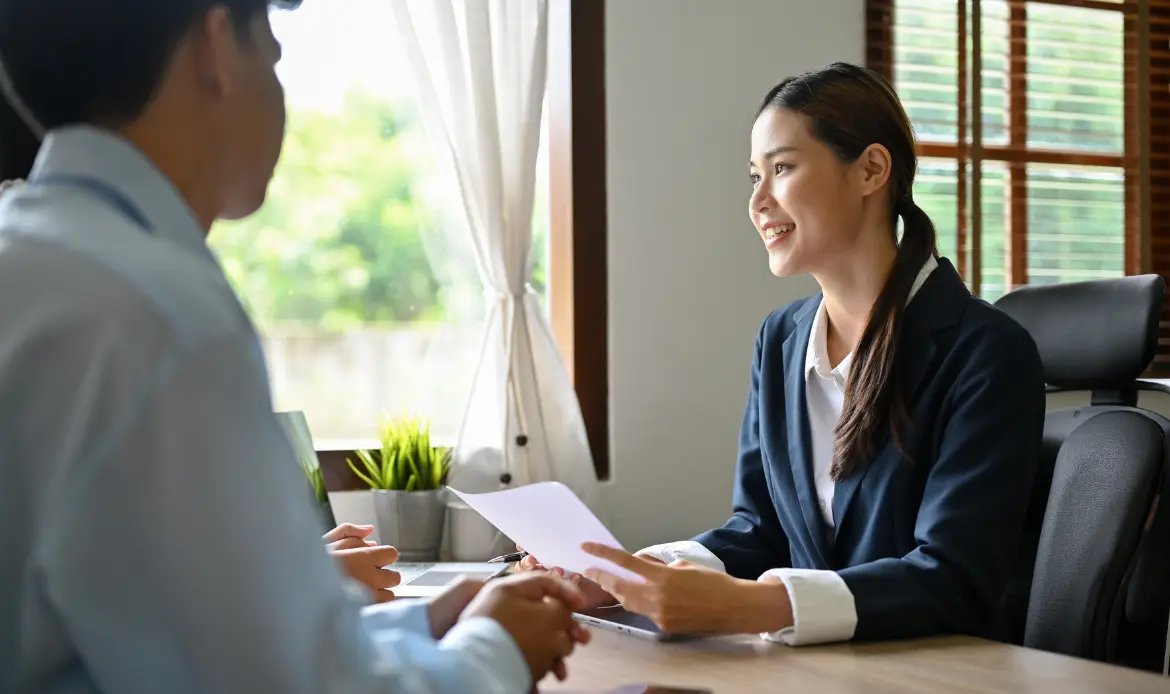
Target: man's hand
<point>348,536</point>
<point>444,609</point>
<point>537,610</point>
<point>595,595</point>
<point>363,560</point>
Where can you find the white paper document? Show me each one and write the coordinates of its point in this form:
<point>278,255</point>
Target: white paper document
<point>550,523</point>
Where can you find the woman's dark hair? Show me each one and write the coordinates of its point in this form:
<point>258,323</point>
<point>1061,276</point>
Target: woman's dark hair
<point>850,108</point>
<point>92,61</point>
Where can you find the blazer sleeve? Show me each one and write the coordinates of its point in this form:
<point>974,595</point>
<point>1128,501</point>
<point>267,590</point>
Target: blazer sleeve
<point>973,505</point>
<point>752,540</point>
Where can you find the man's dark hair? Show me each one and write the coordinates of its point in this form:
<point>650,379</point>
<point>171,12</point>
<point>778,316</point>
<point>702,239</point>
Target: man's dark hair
<point>92,61</point>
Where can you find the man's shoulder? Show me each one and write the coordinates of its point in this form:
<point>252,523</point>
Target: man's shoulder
<point>83,345</point>
<point>78,265</point>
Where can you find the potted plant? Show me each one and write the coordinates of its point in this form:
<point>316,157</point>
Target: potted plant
<point>407,475</point>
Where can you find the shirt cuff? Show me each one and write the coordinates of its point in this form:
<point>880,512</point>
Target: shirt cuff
<point>405,614</point>
<point>488,648</point>
<point>822,607</point>
<point>688,550</point>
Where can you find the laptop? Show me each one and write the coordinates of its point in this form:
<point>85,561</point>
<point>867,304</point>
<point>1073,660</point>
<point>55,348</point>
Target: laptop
<point>422,580</point>
<point>618,619</point>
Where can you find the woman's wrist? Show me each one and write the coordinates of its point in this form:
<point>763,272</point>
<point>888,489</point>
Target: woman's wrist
<point>762,607</point>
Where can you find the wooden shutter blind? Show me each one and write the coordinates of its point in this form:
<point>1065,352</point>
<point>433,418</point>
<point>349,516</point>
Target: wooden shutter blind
<point>1035,167</point>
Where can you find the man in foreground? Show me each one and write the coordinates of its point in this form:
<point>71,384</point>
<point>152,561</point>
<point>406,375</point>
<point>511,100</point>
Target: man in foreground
<point>154,533</point>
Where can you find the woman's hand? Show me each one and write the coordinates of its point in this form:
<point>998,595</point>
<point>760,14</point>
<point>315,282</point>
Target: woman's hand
<point>686,598</point>
<point>595,595</point>
<point>363,560</point>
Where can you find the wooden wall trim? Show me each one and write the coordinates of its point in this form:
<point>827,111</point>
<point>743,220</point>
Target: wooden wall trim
<point>338,476</point>
<point>578,292</point>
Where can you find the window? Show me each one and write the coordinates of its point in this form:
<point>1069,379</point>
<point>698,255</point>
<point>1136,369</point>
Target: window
<point>1032,165</point>
<point>362,307</point>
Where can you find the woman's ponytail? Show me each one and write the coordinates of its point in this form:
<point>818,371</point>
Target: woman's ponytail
<point>874,397</point>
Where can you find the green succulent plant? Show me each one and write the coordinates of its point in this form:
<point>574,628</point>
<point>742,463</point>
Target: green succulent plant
<point>406,460</point>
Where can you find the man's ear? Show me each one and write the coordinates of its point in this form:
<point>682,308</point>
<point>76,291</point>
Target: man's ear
<point>215,48</point>
<point>873,168</point>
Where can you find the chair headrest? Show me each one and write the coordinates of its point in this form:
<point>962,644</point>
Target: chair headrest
<point>1091,335</point>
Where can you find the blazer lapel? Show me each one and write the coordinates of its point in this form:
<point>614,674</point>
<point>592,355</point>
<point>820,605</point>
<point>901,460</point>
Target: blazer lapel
<point>799,447</point>
<point>843,495</point>
<point>937,307</point>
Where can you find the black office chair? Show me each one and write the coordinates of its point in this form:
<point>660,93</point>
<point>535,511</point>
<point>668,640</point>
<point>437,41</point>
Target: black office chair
<point>1100,585</point>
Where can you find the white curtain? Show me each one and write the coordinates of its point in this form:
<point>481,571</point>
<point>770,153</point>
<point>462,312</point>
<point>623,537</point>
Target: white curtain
<point>479,70</point>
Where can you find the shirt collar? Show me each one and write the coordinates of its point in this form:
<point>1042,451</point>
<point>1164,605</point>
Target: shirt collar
<point>816,359</point>
<point>88,151</point>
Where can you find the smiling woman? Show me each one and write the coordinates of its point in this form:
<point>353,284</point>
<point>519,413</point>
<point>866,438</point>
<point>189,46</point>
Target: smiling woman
<point>798,122</point>
<point>893,422</point>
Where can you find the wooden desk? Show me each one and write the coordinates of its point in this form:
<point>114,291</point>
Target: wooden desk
<point>746,665</point>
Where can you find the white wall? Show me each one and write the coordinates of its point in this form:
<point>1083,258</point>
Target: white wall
<point>688,277</point>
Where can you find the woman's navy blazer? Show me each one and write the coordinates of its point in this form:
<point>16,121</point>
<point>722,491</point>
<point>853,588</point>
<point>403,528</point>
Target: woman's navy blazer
<point>929,542</point>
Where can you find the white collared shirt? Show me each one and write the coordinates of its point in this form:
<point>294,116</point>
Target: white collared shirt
<point>156,532</point>
<point>822,604</point>
<point>825,396</point>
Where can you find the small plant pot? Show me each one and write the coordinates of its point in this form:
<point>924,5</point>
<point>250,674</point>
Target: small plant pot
<point>411,522</point>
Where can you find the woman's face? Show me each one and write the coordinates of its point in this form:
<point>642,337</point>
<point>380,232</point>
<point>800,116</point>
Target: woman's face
<point>806,203</point>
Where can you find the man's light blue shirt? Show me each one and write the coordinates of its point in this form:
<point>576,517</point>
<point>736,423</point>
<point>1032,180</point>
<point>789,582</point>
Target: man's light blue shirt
<point>155,530</point>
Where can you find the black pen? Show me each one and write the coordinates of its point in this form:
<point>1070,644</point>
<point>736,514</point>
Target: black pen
<point>508,558</point>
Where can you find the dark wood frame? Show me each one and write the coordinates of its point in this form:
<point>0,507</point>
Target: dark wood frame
<point>1016,154</point>
<point>578,296</point>
<point>1145,160</point>
<point>1150,224</point>
<point>1016,241</point>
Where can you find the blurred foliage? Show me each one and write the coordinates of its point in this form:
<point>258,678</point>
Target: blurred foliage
<point>340,241</point>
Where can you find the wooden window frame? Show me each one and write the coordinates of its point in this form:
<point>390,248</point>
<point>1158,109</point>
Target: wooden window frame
<point>880,52</point>
<point>1148,45</point>
<point>578,215</point>
<point>578,292</point>
<point>1145,159</point>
